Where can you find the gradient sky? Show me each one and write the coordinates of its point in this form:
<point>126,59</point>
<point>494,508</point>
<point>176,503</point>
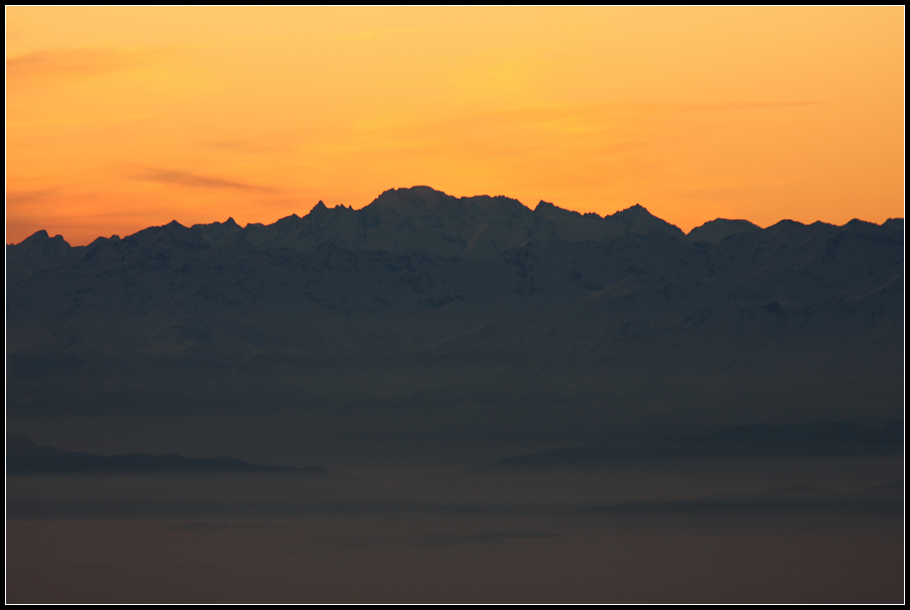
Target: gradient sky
<point>122,118</point>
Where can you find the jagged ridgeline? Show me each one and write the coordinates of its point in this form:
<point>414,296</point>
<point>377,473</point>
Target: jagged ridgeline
<point>424,313</point>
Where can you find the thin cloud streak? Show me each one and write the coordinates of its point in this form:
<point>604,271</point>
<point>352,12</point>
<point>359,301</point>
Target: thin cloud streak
<point>74,62</point>
<point>180,178</point>
<point>31,196</point>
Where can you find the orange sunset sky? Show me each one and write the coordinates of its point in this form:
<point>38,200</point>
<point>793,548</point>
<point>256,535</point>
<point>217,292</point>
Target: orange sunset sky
<point>122,118</point>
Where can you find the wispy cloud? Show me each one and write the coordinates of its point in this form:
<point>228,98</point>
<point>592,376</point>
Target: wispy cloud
<point>55,63</point>
<point>31,196</point>
<point>165,176</point>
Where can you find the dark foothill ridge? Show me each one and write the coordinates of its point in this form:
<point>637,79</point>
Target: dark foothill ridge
<point>24,456</point>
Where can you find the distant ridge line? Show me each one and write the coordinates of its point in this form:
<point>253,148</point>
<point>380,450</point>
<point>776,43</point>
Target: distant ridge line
<point>24,456</point>
<point>479,227</point>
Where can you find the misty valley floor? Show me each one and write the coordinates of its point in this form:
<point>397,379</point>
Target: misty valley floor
<point>503,537</point>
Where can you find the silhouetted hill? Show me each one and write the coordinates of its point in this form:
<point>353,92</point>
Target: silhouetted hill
<point>23,456</point>
<point>429,314</point>
<point>714,231</point>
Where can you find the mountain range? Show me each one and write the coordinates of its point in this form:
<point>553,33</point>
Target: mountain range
<point>425,315</point>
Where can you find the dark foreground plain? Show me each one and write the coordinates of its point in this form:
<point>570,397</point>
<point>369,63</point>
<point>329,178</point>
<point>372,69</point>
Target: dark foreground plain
<point>436,399</point>
<point>366,559</point>
<point>693,529</point>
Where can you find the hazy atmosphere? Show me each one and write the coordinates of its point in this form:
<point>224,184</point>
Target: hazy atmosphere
<point>454,304</point>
